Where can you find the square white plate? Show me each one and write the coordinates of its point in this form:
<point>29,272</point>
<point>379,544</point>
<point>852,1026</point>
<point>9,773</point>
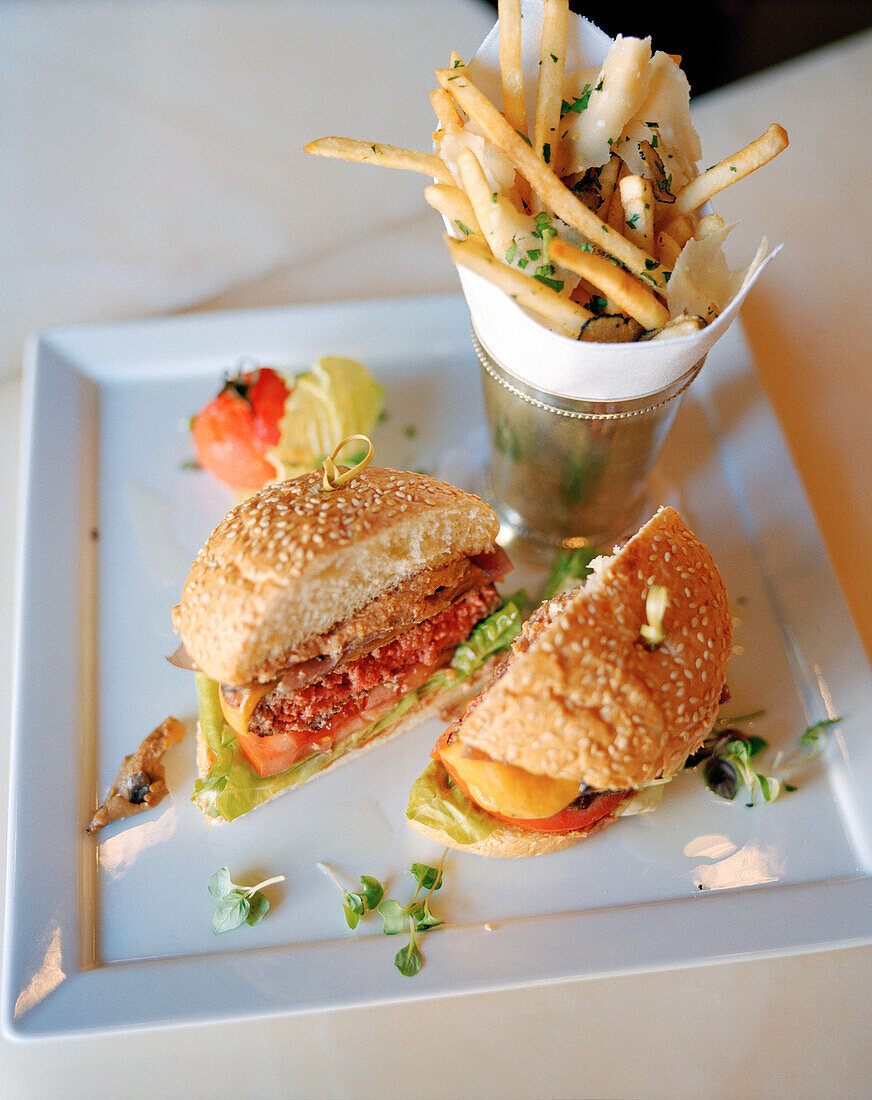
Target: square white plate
<point>114,931</point>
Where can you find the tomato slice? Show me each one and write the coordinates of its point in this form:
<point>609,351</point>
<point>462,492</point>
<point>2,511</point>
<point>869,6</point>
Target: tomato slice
<point>564,821</point>
<point>279,751</point>
<point>568,820</point>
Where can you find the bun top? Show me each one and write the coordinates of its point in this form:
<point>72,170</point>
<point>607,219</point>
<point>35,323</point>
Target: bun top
<point>291,561</point>
<point>583,697</point>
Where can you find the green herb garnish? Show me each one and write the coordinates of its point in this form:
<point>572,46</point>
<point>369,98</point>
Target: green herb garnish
<point>569,569</point>
<point>544,275</point>
<point>816,735</point>
<point>416,915</point>
<point>727,753</point>
<point>357,904</point>
<point>578,104</point>
<point>238,905</point>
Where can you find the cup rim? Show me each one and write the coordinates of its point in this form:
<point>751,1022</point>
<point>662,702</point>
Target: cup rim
<point>579,408</point>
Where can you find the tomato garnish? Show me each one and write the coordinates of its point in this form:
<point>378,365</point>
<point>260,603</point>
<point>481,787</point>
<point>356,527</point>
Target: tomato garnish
<point>267,395</point>
<point>233,431</point>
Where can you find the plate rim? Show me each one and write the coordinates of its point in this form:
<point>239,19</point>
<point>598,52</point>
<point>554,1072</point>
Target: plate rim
<point>70,342</point>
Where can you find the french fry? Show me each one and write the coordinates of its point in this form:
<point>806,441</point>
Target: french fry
<point>680,229</point>
<point>680,326</point>
<point>559,313</point>
<point>544,182</point>
<point>615,216</point>
<point>620,286</point>
<point>452,204</point>
<point>511,73</point>
<point>388,156</point>
<point>638,202</point>
<point>445,109</point>
<point>711,223</point>
<point>549,92</point>
<point>668,249</point>
<point>481,200</point>
<point>706,185</point>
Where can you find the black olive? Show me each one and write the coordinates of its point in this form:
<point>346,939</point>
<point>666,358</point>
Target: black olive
<point>139,786</point>
<point>722,778</point>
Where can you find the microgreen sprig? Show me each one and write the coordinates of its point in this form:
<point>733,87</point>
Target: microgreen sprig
<point>356,905</point>
<point>238,905</point>
<point>727,755</point>
<point>416,915</point>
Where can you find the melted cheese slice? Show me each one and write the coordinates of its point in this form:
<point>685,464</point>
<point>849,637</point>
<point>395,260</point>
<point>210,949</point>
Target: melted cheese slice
<point>506,789</point>
<point>239,708</point>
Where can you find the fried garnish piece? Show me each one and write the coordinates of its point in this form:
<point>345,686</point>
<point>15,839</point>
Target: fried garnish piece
<point>140,782</point>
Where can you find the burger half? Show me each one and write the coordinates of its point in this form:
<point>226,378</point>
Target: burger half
<point>321,622</point>
<point>600,700</point>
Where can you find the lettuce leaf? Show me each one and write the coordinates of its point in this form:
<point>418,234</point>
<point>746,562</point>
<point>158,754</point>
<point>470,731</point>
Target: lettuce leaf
<point>231,787</point>
<point>435,800</point>
<point>643,801</point>
<point>568,570</point>
<point>492,634</point>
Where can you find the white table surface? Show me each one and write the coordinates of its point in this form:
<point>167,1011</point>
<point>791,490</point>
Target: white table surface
<point>153,165</point>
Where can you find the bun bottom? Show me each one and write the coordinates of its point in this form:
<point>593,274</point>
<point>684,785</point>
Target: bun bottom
<point>510,842</point>
<point>446,704</point>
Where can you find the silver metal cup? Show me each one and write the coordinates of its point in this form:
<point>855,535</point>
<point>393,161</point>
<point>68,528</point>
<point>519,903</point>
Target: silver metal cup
<point>569,472</point>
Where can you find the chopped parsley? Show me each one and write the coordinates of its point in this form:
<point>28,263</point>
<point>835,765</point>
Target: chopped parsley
<point>464,229</point>
<point>510,251</point>
<point>546,152</point>
<point>631,222</point>
<point>597,304</point>
<point>544,275</point>
<point>578,104</point>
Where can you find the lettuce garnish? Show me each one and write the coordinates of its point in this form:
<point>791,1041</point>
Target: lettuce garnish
<point>231,787</point>
<point>435,800</point>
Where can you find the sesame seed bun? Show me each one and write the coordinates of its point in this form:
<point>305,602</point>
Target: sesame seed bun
<point>582,697</point>
<point>291,562</point>
<point>587,699</point>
